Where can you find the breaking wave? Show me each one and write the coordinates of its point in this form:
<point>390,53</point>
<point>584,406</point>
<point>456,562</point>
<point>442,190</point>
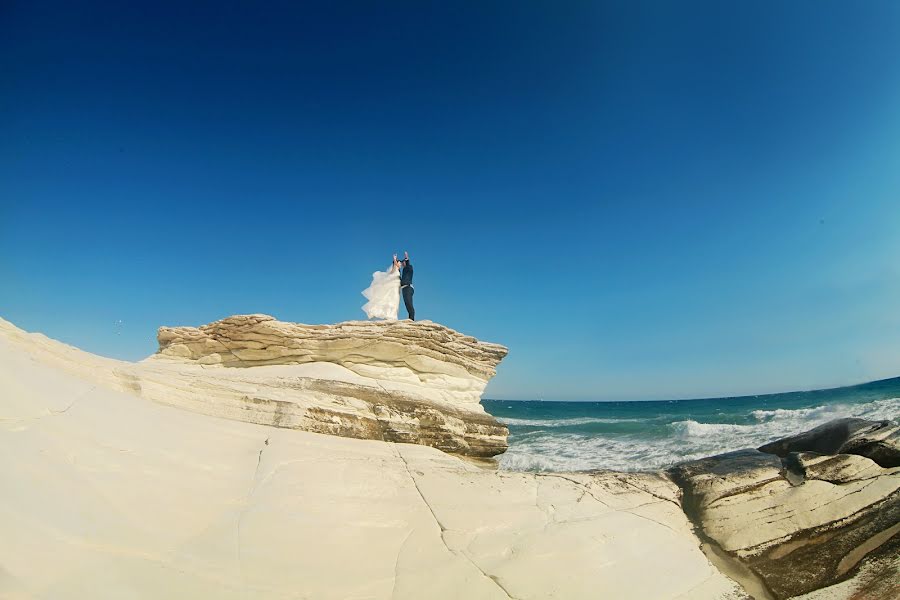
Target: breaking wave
<point>563,422</point>
<point>656,444</point>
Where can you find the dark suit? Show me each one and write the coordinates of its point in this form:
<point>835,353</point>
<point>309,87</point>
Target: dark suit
<point>406,288</point>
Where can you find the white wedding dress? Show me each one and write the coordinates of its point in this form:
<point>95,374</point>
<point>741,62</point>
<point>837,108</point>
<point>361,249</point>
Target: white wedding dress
<point>383,295</point>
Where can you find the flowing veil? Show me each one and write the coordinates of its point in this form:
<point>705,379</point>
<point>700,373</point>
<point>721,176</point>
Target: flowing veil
<point>383,295</point>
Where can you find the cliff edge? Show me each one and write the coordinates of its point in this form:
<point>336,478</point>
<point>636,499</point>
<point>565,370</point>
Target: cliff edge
<point>395,381</point>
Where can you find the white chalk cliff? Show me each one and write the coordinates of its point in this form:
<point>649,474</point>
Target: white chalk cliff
<point>399,381</point>
<point>199,473</point>
<point>109,495</point>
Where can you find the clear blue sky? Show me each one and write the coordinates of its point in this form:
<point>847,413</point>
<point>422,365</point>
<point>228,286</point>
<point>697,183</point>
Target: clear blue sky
<point>642,200</point>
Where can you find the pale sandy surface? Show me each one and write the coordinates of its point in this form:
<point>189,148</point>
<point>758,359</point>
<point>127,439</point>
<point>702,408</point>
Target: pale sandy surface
<point>108,495</point>
<point>389,402</point>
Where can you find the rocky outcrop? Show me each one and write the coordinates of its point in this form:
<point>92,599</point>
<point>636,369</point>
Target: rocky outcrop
<point>878,440</point>
<point>812,517</point>
<point>107,495</point>
<point>437,356</point>
<point>398,381</point>
<point>800,518</point>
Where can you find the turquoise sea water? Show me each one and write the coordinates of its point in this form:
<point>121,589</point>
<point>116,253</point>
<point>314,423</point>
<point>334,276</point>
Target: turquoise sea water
<point>635,436</point>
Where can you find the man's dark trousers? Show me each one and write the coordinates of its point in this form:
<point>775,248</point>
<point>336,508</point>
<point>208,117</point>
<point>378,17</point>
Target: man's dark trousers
<point>408,292</point>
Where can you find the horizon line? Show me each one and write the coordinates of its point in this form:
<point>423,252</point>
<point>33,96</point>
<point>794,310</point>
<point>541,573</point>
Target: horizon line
<point>738,397</point>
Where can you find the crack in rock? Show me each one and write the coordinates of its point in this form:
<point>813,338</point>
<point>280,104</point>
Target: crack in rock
<point>687,594</point>
<point>397,562</point>
<point>50,411</point>
<point>443,529</point>
<point>577,483</point>
<point>746,489</point>
<point>652,520</point>
<point>240,519</point>
<point>646,491</point>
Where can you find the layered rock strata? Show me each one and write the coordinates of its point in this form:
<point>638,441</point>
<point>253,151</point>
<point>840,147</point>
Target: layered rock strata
<point>804,518</point>
<point>108,495</point>
<point>400,381</point>
<point>397,381</point>
<point>427,353</point>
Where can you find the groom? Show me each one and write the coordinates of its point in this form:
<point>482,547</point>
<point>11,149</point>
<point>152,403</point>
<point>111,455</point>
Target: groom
<point>406,287</point>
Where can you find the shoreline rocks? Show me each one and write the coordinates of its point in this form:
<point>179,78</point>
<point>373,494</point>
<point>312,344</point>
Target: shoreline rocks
<point>414,382</point>
<point>815,516</point>
<point>877,440</point>
<point>395,381</point>
<point>109,495</point>
<point>801,520</point>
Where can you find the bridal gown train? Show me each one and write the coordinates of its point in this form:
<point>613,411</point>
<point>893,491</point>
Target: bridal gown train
<point>383,295</point>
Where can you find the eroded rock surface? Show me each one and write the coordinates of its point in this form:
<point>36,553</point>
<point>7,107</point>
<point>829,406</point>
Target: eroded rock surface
<point>402,381</point>
<point>878,440</point>
<point>108,495</point>
<point>434,354</point>
<point>804,520</point>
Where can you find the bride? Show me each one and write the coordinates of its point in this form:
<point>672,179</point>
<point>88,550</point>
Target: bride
<point>384,294</point>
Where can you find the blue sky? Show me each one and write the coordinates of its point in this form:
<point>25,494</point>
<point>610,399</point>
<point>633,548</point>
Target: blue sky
<point>642,200</point>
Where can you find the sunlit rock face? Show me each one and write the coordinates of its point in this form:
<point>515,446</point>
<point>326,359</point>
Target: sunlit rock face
<point>402,381</point>
<point>108,495</point>
<point>446,363</point>
<point>266,511</point>
<point>807,511</point>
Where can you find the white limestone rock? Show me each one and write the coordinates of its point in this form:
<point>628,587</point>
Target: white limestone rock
<point>108,495</point>
<point>418,352</point>
<point>403,381</point>
<point>798,523</point>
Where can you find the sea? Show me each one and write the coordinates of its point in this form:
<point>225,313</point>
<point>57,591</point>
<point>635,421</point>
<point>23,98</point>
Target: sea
<point>651,435</point>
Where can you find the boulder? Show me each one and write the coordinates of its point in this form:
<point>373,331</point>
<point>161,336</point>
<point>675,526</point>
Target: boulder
<point>804,520</point>
<point>878,440</point>
<point>396,381</point>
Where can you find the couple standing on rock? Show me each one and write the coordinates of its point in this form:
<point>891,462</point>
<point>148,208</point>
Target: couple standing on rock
<point>384,294</point>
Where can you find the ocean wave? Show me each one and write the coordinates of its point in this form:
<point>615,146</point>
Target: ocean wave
<point>781,422</point>
<point>716,438</point>
<point>888,408</point>
<point>686,440</point>
<point>562,452</point>
<point>693,429</point>
<point>563,422</point>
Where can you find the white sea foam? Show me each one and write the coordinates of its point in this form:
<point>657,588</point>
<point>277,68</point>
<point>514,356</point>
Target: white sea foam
<point>686,440</point>
<point>693,430</point>
<point>563,422</point>
<point>571,452</point>
<point>888,408</point>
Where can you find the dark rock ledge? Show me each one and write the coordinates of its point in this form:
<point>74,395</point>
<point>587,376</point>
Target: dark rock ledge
<point>805,512</point>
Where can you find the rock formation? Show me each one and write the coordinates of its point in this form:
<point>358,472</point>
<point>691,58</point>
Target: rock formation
<point>397,381</point>
<point>108,495</point>
<point>805,516</point>
<point>428,354</point>
<point>877,440</point>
